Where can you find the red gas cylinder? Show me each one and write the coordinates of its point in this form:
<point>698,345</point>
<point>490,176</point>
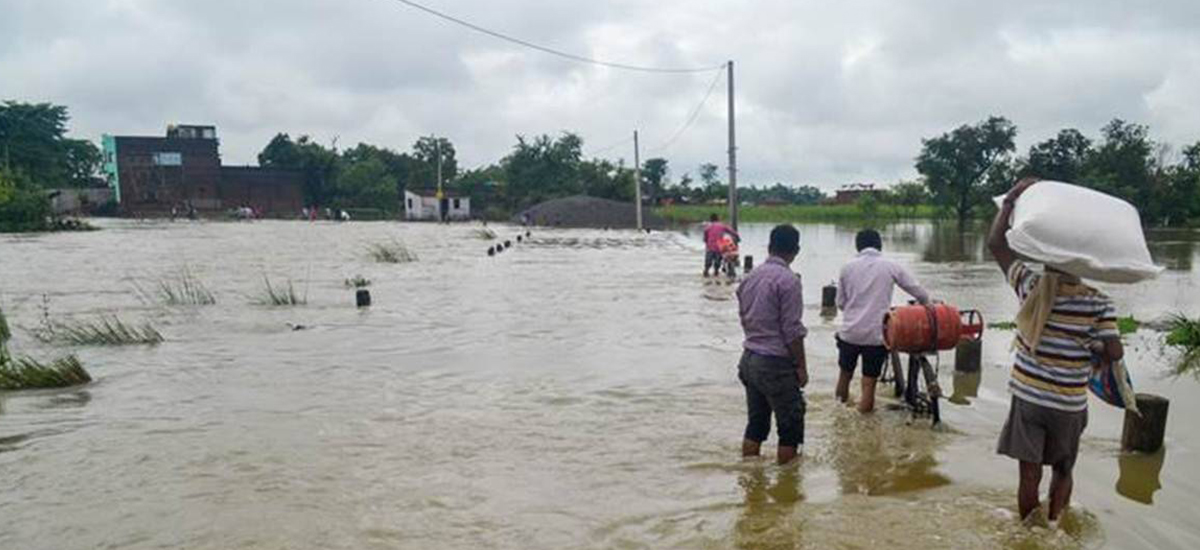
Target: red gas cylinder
<point>933,327</point>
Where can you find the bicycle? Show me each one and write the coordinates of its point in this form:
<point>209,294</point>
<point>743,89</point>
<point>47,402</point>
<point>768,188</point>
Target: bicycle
<point>920,401</point>
<point>918,387</point>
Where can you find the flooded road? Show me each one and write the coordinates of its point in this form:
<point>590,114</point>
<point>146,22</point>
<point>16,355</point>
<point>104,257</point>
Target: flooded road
<point>576,391</point>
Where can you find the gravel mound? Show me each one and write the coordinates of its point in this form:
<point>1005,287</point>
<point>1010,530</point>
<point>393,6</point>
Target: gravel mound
<point>584,211</point>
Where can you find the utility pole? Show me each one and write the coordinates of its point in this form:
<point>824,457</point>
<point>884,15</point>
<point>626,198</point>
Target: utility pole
<point>437,147</point>
<point>733,200</point>
<point>637,180</point>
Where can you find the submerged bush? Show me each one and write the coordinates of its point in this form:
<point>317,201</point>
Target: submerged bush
<point>25,373</point>
<point>1128,325</point>
<point>1184,333</point>
<point>391,252</point>
<point>357,282</point>
<point>278,295</point>
<point>108,330</point>
<point>184,289</point>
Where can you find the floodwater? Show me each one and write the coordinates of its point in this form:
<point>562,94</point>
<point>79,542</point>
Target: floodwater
<point>576,391</point>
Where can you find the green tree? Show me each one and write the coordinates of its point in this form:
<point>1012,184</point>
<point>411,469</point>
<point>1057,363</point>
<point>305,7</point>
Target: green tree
<point>807,194</point>
<point>485,187</point>
<point>425,156</point>
<point>319,165</point>
<point>400,166</point>
<point>955,165</point>
<point>713,188</point>
<point>33,140</point>
<point>544,168</point>
<point>654,179</point>
<point>868,205</point>
<point>1122,166</point>
<point>1061,158</point>
<point>23,206</point>
<point>602,178</point>
<point>367,184</point>
<point>82,162</point>
<point>909,195</point>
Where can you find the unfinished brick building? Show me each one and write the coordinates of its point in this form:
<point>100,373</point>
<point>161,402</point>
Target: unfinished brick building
<point>150,175</point>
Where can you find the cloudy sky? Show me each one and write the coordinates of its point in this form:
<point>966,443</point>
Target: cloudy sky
<point>827,92</point>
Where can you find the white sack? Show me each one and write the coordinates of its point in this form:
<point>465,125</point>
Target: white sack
<point>1082,232</point>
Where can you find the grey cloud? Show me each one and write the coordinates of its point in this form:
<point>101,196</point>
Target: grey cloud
<point>827,92</point>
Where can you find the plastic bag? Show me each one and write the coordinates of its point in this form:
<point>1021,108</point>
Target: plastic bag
<point>1111,383</point>
<point>1080,231</point>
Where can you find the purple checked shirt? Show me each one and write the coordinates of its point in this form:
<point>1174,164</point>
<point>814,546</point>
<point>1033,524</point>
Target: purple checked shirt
<point>770,305</point>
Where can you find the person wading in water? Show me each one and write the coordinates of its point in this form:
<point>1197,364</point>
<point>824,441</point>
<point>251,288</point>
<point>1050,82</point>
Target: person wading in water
<point>864,296</point>
<point>773,367</point>
<point>1059,319</point>
<point>712,243</point>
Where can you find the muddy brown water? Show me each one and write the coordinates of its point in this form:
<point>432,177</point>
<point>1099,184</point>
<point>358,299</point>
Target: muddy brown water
<point>575,391</point>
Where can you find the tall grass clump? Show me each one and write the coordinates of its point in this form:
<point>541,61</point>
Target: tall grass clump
<point>1184,334</point>
<point>1128,325</point>
<point>357,282</point>
<point>25,373</point>
<point>183,289</point>
<point>272,295</point>
<point>391,252</point>
<point>107,330</point>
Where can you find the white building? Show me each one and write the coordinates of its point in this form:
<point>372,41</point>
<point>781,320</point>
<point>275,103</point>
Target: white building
<point>429,207</point>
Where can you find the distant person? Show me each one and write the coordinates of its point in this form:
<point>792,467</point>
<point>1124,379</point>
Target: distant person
<point>713,232</point>
<point>864,295</point>
<point>1059,319</point>
<point>773,367</point>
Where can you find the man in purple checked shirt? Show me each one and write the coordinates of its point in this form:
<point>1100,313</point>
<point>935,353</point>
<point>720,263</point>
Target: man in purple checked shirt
<point>773,367</point>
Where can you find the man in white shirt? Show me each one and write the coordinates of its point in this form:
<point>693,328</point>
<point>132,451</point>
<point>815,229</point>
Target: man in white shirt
<point>864,296</point>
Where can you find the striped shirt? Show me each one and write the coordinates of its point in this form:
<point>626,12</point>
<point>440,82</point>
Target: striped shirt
<point>1055,375</point>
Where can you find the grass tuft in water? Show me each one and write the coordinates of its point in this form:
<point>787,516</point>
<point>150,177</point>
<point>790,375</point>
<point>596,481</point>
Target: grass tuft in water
<point>1184,333</point>
<point>108,330</point>
<point>279,296</point>
<point>484,233</point>
<point>25,373</point>
<point>358,282</point>
<point>184,289</point>
<point>391,252</point>
<point>1126,325</point>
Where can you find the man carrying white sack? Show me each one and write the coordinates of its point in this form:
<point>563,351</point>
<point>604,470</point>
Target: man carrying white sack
<point>1060,318</point>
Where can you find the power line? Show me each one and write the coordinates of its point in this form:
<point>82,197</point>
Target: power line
<point>552,51</point>
<point>694,115</point>
<point>608,148</point>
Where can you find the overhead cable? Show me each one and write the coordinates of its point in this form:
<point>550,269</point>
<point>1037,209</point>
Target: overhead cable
<point>553,51</point>
<point>608,148</point>
<point>692,118</point>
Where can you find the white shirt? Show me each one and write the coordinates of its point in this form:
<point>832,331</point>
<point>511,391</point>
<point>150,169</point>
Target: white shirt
<point>865,295</point>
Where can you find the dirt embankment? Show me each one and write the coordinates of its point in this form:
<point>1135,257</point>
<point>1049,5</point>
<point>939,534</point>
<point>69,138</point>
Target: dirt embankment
<point>583,211</point>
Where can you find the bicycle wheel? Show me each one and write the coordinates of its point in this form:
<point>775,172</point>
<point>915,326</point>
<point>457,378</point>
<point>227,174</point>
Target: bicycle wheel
<point>933,390</point>
<point>896,376</point>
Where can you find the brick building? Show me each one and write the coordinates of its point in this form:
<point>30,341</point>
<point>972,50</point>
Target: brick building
<point>150,175</point>
<point>849,194</point>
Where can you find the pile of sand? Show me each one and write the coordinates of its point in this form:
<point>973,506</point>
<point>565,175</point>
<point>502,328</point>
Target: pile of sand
<point>584,211</point>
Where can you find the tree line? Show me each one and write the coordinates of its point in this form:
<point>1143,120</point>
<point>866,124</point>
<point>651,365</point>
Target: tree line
<point>36,154</point>
<point>959,171</point>
<point>963,168</point>
<point>535,170</point>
